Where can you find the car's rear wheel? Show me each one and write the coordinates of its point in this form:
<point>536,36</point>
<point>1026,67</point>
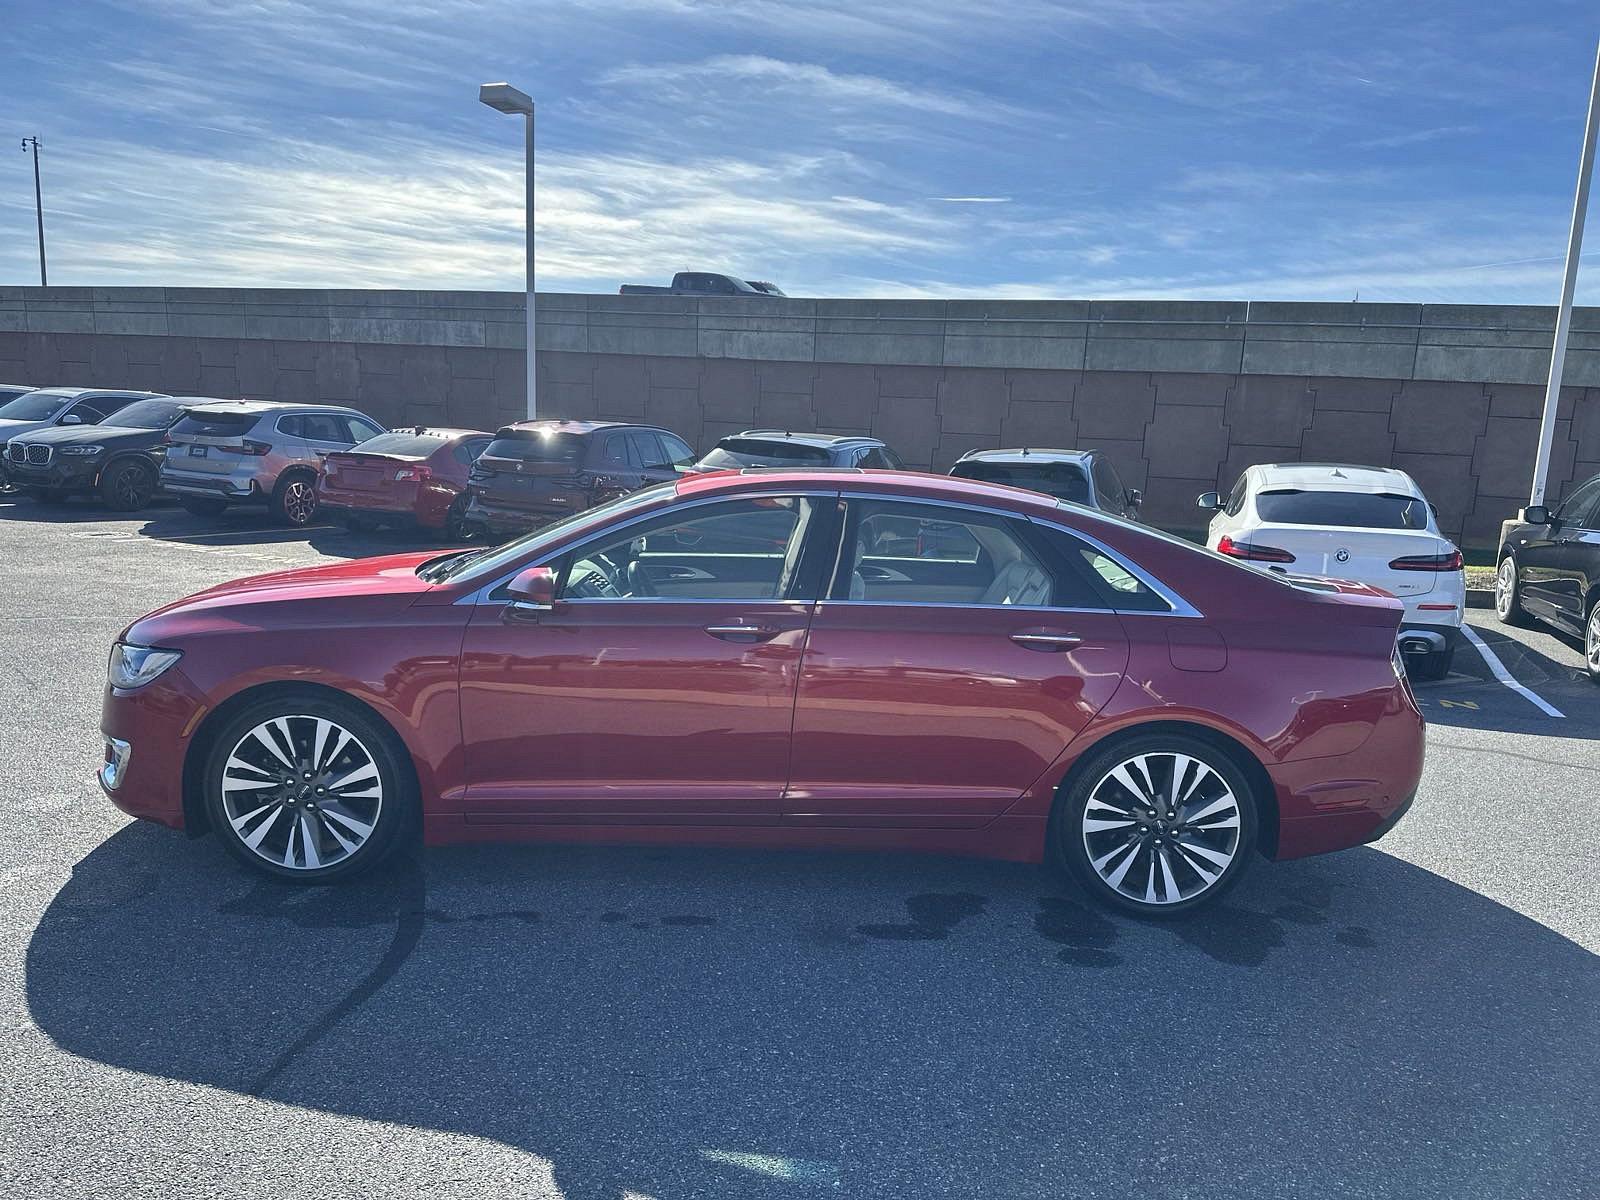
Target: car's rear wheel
<point>308,788</point>
<point>294,500</point>
<point>456,526</point>
<point>1432,666</point>
<point>1508,594</point>
<point>200,506</point>
<point>1591,641</point>
<point>127,486</point>
<point>1158,824</point>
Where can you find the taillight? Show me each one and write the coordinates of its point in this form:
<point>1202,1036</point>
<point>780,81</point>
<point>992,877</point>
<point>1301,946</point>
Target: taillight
<point>248,446</point>
<point>1428,562</point>
<point>1253,551</point>
<point>414,474</point>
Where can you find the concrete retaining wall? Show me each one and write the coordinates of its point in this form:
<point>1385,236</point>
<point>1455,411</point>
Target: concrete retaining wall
<point>1184,394</point>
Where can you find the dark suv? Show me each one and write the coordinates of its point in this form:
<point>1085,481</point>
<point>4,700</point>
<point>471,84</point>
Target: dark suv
<point>535,472</point>
<point>1550,569</point>
<point>119,460</point>
<point>1080,476</point>
<point>784,448</point>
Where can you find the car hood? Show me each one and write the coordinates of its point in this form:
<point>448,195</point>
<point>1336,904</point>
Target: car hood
<point>308,595</point>
<point>92,435</point>
<point>11,429</point>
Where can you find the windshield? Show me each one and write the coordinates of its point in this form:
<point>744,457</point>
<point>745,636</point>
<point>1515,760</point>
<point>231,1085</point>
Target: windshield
<point>34,406</point>
<point>539,447</point>
<point>758,452</point>
<point>1346,510</point>
<point>401,445</point>
<point>485,564</point>
<point>145,414</point>
<point>1061,480</point>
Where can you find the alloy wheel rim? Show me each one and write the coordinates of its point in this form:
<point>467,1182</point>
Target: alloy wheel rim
<point>129,491</point>
<point>1505,583</point>
<point>1592,640</point>
<point>302,792</point>
<point>299,501</point>
<point>1161,828</point>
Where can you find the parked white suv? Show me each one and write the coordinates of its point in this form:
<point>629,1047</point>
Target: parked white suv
<point>1371,525</point>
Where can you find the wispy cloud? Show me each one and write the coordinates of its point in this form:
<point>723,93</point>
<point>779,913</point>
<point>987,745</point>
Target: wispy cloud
<point>974,199</point>
<point>1415,137</point>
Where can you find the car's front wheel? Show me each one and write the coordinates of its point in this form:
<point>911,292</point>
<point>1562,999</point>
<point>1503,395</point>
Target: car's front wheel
<point>309,788</point>
<point>1508,594</point>
<point>127,486</point>
<point>1158,824</point>
<point>1591,641</point>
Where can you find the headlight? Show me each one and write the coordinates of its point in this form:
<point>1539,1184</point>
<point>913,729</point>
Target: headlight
<point>134,666</point>
<point>85,450</point>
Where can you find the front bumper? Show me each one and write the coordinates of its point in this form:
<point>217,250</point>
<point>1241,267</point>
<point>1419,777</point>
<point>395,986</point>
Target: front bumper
<point>147,733</point>
<point>64,474</point>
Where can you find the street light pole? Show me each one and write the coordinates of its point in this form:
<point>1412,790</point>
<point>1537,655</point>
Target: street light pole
<point>502,97</point>
<point>38,205</point>
<point>1569,281</point>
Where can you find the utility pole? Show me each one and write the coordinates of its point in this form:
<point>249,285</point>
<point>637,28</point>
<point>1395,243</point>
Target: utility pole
<point>38,205</point>
<point>1569,280</point>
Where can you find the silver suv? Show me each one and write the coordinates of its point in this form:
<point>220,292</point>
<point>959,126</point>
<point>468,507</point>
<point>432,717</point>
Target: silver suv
<point>258,452</point>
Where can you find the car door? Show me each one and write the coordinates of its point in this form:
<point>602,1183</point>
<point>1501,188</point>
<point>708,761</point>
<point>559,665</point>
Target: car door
<point>1579,562</point>
<point>612,467</point>
<point>1549,588</point>
<point>323,434</point>
<point>660,687</point>
<point>955,657</point>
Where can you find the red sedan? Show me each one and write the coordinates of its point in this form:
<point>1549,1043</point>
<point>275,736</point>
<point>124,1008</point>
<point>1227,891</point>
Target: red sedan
<point>415,477</point>
<point>778,658</point>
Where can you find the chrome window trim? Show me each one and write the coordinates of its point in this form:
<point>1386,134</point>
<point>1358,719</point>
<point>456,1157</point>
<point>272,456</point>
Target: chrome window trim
<point>982,607</point>
<point>481,595</point>
<point>1179,606</point>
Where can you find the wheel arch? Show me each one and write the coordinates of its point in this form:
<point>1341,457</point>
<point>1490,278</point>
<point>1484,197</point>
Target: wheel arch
<point>196,819</point>
<point>1238,753</point>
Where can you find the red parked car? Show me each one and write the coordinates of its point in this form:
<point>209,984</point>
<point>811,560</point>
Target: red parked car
<point>415,477</point>
<point>1057,683</point>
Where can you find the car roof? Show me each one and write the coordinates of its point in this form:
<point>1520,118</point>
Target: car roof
<point>1335,477</point>
<point>804,438</point>
<point>562,425</point>
<point>85,393</point>
<point>1028,454</point>
<point>269,406</point>
<point>913,485</point>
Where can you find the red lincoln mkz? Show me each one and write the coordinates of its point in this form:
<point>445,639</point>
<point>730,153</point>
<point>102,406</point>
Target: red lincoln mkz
<point>809,658</point>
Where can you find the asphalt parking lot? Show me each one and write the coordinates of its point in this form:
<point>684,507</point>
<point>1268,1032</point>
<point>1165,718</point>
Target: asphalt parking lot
<point>1412,1019</point>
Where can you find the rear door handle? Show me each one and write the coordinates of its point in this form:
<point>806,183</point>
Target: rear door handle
<point>1047,641</point>
<point>741,633</point>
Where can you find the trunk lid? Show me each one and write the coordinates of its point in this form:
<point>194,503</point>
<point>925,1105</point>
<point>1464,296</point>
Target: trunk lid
<point>1361,555</point>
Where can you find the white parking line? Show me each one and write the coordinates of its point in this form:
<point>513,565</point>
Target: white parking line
<point>1498,669</point>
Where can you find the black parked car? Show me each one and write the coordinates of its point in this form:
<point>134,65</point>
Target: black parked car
<point>119,461</point>
<point>783,448</point>
<point>1080,476</point>
<point>1550,569</point>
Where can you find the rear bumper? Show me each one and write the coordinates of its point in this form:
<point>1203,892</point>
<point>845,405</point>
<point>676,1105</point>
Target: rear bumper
<point>233,486</point>
<point>516,518</point>
<point>426,508</point>
<point>1350,799</point>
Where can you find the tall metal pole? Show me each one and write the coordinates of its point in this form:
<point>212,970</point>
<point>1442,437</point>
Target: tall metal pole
<point>532,357</point>
<point>38,205</point>
<point>1569,280</point>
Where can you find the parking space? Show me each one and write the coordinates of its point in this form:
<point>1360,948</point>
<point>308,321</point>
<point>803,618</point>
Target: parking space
<point>1414,1018</point>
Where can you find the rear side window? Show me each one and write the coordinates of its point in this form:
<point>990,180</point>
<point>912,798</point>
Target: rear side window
<point>225,424</point>
<point>762,452</point>
<point>1116,586</point>
<point>565,448</point>
<point>1346,510</point>
<point>467,452</point>
<point>324,427</point>
<point>614,453</point>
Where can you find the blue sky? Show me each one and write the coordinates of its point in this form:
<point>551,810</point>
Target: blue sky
<point>1238,149</point>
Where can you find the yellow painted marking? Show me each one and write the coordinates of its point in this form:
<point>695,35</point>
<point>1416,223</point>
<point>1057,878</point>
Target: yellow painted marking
<point>1472,704</point>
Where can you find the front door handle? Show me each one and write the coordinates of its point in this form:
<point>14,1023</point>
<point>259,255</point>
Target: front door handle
<point>1047,641</point>
<point>741,633</point>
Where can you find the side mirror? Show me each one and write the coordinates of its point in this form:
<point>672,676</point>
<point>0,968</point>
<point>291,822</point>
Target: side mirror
<point>533,591</point>
<point>1134,497</point>
<point>72,419</point>
<point>1209,501</point>
<point>1536,514</point>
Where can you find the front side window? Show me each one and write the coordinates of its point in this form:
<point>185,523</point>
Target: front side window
<point>1582,509</point>
<point>899,553</point>
<point>1109,484</point>
<point>361,429</point>
<point>737,550</point>
<point>675,451</point>
<point>1236,497</point>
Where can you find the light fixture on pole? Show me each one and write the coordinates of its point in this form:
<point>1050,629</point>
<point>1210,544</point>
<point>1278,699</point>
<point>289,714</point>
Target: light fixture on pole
<point>502,97</point>
<point>1569,281</point>
<point>38,204</point>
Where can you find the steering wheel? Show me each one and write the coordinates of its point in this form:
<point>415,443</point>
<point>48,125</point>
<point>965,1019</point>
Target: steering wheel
<point>639,581</point>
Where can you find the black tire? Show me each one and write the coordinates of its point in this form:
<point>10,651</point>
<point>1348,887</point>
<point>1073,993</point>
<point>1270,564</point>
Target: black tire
<point>127,486</point>
<point>1508,594</point>
<point>294,500</point>
<point>395,820</point>
<point>1129,852</point>
<point>1431,667</point>
<point>456,526</point>
<point>200,506</point>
